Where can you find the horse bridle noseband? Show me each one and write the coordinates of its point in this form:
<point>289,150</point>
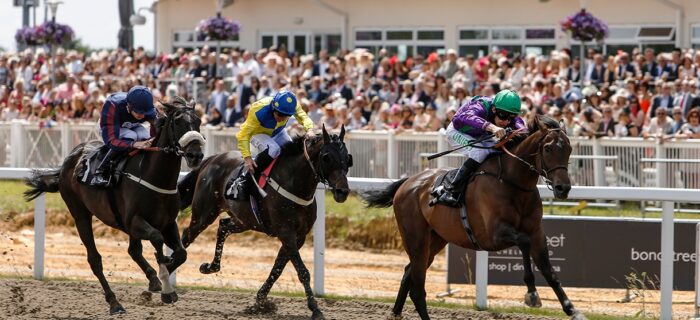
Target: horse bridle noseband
<point>544,172</point>
<point>318,173</point>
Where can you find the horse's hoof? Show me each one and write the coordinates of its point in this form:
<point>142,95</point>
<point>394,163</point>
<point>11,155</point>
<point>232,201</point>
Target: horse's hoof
<point>154,285</point>
<point>207,268</point>
<point>394,317</point>
<point>532,300</point>
<point>318,315</point>
<point>262,307</point>
<point>118,309</point>
<point>169,298</point>
<point>578,316</point>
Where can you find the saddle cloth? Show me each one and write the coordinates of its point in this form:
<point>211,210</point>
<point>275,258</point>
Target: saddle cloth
<point>243,189</point>
<point>91,159</point>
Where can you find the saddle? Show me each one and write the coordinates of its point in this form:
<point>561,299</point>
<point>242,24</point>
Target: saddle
<point>91,159</point>
<point>238,189</point>
<point>442,183</point>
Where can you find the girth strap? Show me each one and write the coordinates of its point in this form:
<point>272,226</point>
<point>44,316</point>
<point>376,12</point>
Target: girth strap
<point>467,227</point>
<point>111,197</point>
<point>277,187</point>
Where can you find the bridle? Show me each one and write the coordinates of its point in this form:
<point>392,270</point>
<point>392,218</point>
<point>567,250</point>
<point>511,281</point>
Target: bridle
<point>174,146</point>
<point>542,171</point>
<point>317,171</point>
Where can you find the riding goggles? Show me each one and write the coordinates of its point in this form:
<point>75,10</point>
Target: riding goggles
<point>505,115</point>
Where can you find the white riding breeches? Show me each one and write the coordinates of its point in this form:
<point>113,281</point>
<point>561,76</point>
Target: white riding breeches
<point>274,144</point>
<point>458,139</point>
<point>134,132</point>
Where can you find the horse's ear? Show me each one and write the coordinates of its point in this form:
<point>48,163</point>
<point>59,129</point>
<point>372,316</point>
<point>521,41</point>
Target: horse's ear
<point>191,104</point>
<point>541,124</point>
<point>326,137</point>
<point>168,108</point>
<point>342,132</point>
<point>561,123</point>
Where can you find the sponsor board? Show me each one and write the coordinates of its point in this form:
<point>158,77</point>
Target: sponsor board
<point>590,252</point>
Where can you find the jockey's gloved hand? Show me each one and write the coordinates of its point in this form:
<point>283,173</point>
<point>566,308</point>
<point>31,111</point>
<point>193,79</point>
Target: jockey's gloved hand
<point>497,131</point>
<point>250,164</point>
<point>310,134</point>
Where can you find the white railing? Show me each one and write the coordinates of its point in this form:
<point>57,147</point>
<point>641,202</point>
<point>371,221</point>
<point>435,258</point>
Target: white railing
<point>383,154</point>
<point>667,196</point>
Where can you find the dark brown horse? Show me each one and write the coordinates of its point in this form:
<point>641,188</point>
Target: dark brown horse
<point>502,212</point>
<point>146,200</point>
<point>288,212</point>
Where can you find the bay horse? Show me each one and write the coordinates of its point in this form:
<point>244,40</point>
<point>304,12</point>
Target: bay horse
<point>288,212</point>
<point>146,201</point>
<point>503,206</point>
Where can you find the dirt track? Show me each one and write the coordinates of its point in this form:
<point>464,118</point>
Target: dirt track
<point>245,265</point>
<point>58,300</point>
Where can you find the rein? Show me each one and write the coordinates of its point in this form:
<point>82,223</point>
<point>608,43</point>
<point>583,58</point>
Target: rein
<point>318,173</point>
<point>544,171</point>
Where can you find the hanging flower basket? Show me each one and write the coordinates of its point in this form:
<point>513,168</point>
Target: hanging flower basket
<point>27,36</point>
<point>583,26</point>
<point>218,29</point>
<point>52,33</point>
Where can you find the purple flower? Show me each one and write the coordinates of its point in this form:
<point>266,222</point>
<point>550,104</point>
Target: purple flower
<point>217,28</point>
<point>583,26</point>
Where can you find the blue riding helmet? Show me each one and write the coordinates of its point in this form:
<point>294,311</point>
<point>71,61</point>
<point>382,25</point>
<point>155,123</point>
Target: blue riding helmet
<point>285,103</point>
<point>141,101</point>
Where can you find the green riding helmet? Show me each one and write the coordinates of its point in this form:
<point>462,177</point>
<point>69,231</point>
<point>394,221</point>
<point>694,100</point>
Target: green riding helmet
<point>508,101</point>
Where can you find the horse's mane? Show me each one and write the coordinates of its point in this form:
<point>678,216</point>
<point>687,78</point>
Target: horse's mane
<point>539,121</point>
<point>296,147</point>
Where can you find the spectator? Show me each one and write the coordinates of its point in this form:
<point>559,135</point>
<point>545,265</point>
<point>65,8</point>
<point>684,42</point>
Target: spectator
<point>691,129</point>
<point>662,100</point>
<point>678,121</point>
<point>356,121</point>
<point>218,98</point>
<point>624,128</point>
<point>659,126</point>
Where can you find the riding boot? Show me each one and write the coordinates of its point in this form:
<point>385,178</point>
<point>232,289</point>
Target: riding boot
<point>263,160</point>
<point>102,178</point>
<point>453,192</point>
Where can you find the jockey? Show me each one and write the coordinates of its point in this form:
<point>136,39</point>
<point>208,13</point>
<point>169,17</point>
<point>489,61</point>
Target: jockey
<point>264,128</point>
<point>120,125</point>
<point>475,118</point>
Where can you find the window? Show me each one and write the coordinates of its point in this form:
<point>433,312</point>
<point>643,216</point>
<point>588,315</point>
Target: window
<point>539,33</point>
<point>431,35</point>
<point>479,41</point>
<point>473,34</point>
<point>186,39</point>
<point>696,32</point>
<point>368,36</point>
<point>655,32</point>
<point>506,34</point>
<point>294,42</point>
<point>625,33</point>
<point>403,42</point>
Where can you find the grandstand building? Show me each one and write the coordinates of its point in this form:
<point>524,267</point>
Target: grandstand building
<point>410,27</point>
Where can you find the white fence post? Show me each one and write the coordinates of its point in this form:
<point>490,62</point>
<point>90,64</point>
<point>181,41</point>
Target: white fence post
<point>441,146</point>
<point>66,142</point>
<point>209,146</point>
<point>17,139</point>
<point>392,158</point>
<point>667,227</point>
<point>482,278</point>
<point>697,271</point>
<point>39,236</point>
<point>598,164</point>
<point>660,165</point>
<point>320,242</point>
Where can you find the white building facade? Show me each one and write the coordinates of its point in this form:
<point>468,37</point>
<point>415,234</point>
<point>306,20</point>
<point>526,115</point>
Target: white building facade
<point>410,27</point>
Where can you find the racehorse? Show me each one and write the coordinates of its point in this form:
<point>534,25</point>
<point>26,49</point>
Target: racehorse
<point>288,212</point>
<point>146,203</point>
<point>503,206</point>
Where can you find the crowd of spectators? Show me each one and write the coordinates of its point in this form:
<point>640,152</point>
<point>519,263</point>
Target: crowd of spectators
<point>647,94</point>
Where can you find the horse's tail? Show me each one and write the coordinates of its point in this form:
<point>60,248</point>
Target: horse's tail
<point>186,186</point>
<point>41,181</point>
<point>382,198</point>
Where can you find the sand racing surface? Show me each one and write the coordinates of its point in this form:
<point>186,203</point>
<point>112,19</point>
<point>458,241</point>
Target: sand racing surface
<point>245,265</point>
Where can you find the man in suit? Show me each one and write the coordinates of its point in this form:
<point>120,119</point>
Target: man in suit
<point>243,93</point>
<point>686,98</point>
<point>218,97</point>
<point>625,67</point>
<point>320,67</point>
<point>663,100</point>
<point>650,67</point>
<point>343,89</point>
<point>315,92</point>
<point>597,71</point>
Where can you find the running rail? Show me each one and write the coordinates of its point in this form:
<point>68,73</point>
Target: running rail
<point>666,195</point>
